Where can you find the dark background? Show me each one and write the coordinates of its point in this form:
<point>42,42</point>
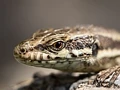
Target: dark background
<point>20,18</point>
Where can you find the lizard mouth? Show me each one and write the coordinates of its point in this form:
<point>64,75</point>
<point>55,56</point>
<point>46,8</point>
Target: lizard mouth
<point>23,55</point>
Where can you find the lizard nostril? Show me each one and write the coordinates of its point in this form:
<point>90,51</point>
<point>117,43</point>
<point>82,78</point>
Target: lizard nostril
<point>22,50</point>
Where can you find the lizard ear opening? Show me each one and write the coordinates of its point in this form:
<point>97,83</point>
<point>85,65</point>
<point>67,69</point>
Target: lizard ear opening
<point>95,49</point>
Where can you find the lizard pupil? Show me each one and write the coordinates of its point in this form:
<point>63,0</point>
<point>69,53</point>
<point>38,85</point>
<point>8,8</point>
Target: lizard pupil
<point>58,44</point>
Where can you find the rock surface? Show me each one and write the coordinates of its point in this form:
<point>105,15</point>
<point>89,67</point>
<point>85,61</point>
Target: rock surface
<point>60,81</point>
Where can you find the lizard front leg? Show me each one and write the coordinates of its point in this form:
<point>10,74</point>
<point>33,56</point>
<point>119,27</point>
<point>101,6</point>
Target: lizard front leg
<point>109,77</point>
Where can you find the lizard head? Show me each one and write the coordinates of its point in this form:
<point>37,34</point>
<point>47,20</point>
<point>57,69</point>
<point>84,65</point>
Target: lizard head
<point>43,45</point>
<point>55,46</point>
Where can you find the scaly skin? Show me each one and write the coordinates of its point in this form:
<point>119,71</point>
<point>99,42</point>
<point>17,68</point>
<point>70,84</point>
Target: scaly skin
<point>78,49</point>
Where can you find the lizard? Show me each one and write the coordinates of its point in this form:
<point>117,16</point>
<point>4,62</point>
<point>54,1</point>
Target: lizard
<point>83,48</point>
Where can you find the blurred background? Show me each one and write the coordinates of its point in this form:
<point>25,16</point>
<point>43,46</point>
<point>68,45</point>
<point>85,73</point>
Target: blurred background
<point>20,18</point>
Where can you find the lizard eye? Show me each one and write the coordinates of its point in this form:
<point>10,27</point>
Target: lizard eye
<point>58,45</point>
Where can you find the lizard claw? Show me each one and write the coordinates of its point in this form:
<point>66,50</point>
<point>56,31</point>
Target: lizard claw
<point>108,78</point>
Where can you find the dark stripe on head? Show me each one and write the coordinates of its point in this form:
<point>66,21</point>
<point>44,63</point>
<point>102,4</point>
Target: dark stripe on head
<point>106,42</point>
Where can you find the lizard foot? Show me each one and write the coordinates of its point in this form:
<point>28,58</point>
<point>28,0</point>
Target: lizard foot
<point>108,78</point>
